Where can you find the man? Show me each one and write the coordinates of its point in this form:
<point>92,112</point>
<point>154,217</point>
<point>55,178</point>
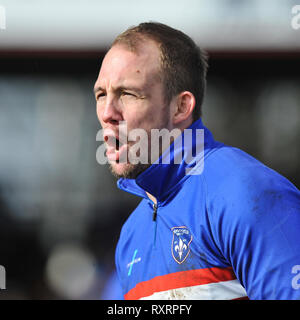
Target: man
<point>231,230</point>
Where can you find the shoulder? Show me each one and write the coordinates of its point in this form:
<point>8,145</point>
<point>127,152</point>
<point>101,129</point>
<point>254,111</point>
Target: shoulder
<point>238,184</point>
<point>232,171</point>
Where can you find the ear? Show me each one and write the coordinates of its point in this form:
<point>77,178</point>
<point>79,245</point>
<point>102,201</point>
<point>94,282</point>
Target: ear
<point>184,105</point>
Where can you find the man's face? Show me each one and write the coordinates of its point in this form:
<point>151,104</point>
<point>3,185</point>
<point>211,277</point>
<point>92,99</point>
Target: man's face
<point>129,89</point>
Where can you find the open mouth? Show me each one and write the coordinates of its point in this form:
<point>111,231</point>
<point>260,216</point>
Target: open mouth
<point>114,147</point>
<point>112,142</point>
<point>118,143</point>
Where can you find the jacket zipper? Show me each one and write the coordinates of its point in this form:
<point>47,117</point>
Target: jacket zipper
<point>154,215</point>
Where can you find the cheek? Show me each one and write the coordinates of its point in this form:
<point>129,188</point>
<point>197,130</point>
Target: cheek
<point>142,119</point>
<point>155,117</point>
<point>135,113</point>
<point>99,113</point>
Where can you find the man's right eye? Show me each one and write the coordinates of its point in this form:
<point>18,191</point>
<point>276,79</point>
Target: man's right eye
<point>100,95</point>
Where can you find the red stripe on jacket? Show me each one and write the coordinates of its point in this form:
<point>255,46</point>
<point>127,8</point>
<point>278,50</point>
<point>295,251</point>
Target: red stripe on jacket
<point>179,280</point>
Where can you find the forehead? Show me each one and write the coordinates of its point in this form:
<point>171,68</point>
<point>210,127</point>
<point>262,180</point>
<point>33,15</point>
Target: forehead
<point>122,64</point>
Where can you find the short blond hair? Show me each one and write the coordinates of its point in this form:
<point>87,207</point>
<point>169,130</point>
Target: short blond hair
<point>183,64</point>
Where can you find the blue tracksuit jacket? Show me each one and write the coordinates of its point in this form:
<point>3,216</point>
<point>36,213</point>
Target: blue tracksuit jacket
<point>231,232</point>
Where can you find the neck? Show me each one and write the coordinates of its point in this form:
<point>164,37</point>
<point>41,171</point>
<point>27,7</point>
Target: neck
<point>151,197</point>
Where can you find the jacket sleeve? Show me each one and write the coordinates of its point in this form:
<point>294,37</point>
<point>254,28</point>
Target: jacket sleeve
<point>256,224</point>
<point>118,273</point>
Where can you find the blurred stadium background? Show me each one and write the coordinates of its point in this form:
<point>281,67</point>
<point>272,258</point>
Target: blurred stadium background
<point>60,211</point>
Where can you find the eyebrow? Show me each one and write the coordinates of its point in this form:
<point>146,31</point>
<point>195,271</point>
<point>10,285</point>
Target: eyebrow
<point>120,88</point>
<point>98,89</point>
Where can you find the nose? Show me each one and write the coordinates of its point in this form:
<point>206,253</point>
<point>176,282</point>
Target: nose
<point>111,113</point>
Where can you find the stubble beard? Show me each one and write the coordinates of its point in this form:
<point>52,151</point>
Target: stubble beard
<point>131,171</point>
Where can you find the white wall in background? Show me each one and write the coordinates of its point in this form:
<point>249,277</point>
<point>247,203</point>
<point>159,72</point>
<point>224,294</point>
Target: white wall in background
<point>92,24</point>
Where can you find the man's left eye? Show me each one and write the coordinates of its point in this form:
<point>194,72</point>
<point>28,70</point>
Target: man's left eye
<point>125,93</point>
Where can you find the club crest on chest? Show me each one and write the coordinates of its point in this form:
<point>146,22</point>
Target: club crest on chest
<point>181,243</point>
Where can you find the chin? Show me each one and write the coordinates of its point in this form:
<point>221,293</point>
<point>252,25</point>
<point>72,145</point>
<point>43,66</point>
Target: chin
<point>120,169</point>
<point>127,170</point>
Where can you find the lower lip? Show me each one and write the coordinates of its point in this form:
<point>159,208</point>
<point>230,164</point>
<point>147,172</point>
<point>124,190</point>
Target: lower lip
<point>114,155</point>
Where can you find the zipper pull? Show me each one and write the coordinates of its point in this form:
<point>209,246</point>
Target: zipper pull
<point>154,212</point>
